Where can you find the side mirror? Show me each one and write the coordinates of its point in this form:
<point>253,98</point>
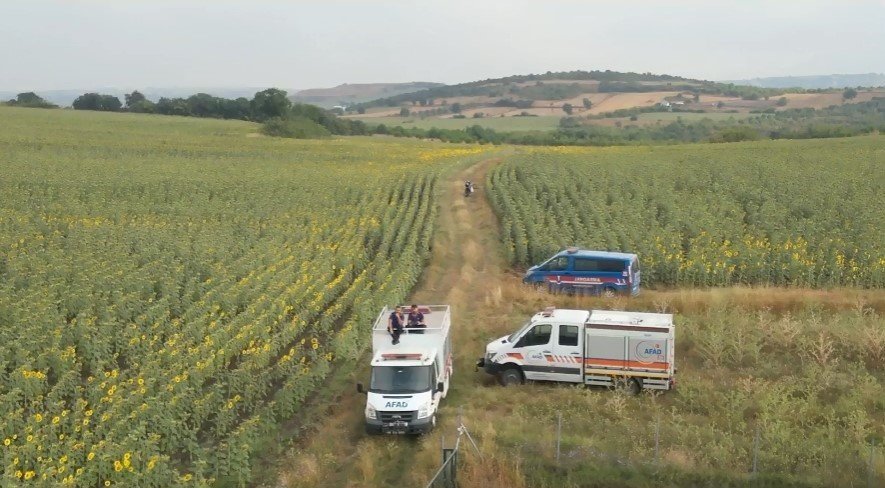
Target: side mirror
<point>359,388</point>
<point>440,387</point>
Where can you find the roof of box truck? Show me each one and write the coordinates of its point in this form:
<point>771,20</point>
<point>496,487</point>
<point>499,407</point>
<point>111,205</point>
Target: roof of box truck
<point>562,315</point>
<point>615,317</point>
<point>585,253</point>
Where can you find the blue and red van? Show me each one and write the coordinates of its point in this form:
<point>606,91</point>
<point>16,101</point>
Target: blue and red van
<point>581,271</point>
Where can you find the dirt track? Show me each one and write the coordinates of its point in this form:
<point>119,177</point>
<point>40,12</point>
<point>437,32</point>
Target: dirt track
<point>464,260</point>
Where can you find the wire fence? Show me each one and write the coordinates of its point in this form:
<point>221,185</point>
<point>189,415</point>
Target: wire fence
<point>866,464</point>
<point>447,474</point>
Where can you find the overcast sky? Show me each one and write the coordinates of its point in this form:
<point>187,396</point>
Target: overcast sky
<point>304,44</point>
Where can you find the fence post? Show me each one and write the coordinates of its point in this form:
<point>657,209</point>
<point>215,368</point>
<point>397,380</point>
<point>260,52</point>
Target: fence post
<point>558,435</point>
<point>870,465</point>
<point>756,451</point>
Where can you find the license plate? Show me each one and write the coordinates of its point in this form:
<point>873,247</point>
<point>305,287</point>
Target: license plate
<point>398,427</point>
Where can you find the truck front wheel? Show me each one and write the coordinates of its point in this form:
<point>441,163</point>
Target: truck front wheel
<point>510,377</point>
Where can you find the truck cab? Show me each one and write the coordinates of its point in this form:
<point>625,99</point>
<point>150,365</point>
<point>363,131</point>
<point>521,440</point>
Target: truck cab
<point>408,380</point>
<point>575,270</point>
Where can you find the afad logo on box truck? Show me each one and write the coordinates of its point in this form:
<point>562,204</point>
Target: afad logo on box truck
<point>649,352</point>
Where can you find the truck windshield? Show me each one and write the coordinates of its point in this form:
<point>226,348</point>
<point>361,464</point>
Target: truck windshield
<point>401,379</point>
<point>514,336</point>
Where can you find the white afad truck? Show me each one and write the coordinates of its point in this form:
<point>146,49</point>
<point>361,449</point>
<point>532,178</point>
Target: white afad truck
<point>631,350</point>
<point>409,379</point>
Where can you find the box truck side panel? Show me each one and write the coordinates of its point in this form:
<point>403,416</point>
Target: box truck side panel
<point>648,353</point>
<point>604,351</point>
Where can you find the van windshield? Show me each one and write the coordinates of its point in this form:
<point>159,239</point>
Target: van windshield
<point>514,336</point>
<point>401,379</point>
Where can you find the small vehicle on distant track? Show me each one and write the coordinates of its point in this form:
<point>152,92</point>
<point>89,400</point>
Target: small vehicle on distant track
<point>578,271</point>
<point>631,350</point>
<point>469,188</point>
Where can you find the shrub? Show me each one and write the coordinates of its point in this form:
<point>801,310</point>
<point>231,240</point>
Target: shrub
<point>295,128</point>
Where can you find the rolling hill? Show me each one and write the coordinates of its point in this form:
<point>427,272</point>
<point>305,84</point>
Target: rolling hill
<point>594,97</point>
<point>351,93</point>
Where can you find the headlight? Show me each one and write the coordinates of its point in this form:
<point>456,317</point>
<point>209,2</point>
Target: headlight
<point>424,411</point>
<point>370,412</point>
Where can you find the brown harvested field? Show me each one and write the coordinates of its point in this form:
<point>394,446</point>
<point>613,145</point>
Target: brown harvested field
<point>823,100</point>
<point>618,101</point>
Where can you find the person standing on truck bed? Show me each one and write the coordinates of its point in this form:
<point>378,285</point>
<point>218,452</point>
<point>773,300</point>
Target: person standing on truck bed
<point>395,324</point>
<point>416,320</point>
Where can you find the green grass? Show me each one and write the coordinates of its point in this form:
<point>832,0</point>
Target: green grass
<point>502,124</point>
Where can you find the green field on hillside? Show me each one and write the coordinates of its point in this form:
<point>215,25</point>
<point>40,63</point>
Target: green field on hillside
<point>501,124</point>
<point>171,289</point>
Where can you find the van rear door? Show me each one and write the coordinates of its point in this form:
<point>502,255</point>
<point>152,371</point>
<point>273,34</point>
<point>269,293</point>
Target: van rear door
<point>633,271</point>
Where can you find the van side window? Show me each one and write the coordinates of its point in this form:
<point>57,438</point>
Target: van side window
<point>585,264</point>
<point>568,335</point>
<point>539,335</point>
<point>556,264</point>
<point>603,265</point>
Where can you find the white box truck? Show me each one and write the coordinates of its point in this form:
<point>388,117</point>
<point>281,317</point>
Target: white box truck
<point>633,350</point>
<point>409,379</point>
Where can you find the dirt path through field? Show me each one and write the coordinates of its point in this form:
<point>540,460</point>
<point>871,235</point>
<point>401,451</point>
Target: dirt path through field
<point>465,259</point>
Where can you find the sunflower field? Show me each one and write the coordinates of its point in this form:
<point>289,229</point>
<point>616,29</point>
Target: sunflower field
<point>786,213</point>
<point>171,289</point>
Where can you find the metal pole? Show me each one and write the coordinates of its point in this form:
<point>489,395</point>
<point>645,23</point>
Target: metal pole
<point>442,445</point>
<point>870,466</point>
<point>558,435</point>
<point>756,451</point>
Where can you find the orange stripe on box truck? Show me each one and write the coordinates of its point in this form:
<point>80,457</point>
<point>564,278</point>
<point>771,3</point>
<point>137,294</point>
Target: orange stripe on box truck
<point>620,363</point>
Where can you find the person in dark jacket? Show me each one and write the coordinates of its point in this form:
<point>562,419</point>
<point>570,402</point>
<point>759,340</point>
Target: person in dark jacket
<point>416,320</point>
<point>395,324</point>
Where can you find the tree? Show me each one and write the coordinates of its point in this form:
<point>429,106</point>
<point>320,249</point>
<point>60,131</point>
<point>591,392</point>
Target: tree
<point>587,103</point>
<point>204,105</point>
<point>720,104</point>
<point>235,109</point>
<point>138,103</point>
<point>134,98</point>
<point>172,106</point>
<point>95,101</point>
<point>455,108</point>
<point>567,108</point>
<point>269,103</point>
<point>404,112</point>
<point>30,99</point>
<point>849,93</point>
<point>361,110</point>
<point>781,102</point>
